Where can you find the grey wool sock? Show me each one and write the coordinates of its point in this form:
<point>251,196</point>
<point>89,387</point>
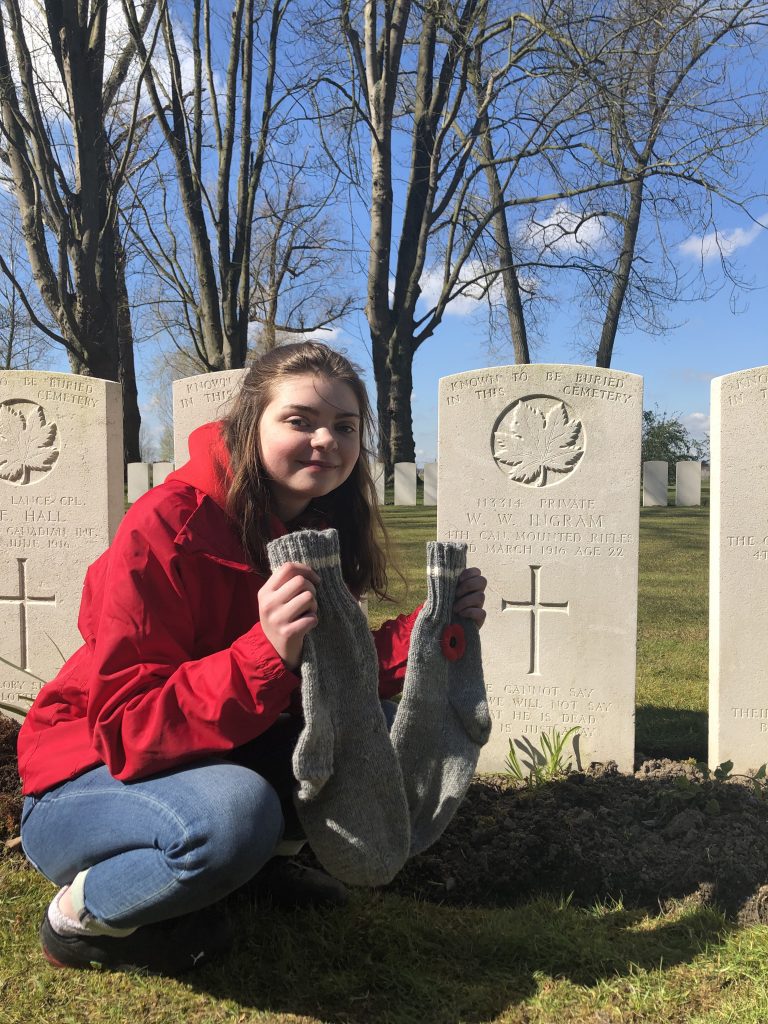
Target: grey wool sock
<point>350,800</point>
<point>442,720</point>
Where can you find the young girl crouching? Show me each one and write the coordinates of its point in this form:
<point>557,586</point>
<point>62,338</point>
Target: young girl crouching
<point>156,766</point>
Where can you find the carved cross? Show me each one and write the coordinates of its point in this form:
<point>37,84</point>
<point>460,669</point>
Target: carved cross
<point>22,599</point>
<point>536,608</point>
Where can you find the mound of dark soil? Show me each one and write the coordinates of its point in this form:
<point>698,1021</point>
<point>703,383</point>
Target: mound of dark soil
<point>668,831</point>
<point>10,790</point>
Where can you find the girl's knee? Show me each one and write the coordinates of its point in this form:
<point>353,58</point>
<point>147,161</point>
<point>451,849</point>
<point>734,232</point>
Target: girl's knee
<point>238,822</point>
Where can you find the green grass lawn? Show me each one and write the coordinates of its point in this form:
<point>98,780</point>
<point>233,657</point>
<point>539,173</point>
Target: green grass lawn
<point>672,633</point>
<point>385,960</point>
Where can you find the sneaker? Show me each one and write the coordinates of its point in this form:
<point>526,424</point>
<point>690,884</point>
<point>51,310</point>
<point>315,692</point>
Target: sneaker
<point>169,947</point>
<point>288,884</point>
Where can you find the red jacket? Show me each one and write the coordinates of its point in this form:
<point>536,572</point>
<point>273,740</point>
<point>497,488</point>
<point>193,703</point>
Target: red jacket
<point>175,665</point>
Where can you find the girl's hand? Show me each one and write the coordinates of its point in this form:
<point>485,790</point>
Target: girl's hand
<point>288,610</point>
<point>470,596</point>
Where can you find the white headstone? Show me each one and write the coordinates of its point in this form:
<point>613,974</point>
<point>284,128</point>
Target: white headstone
<point>61,500</point>
<point>539,472</point>
<point>655,483</point>
<point>377,472</point>
<point>738,567</point>
<point>138,480</point>
<point>688,483</point>
<point>430,483</point>
<point>198,400</point>
<point>160,471</point>
<point>405,483</point>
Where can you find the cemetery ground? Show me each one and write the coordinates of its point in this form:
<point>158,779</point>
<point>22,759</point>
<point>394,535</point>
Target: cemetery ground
<point>593,898</point>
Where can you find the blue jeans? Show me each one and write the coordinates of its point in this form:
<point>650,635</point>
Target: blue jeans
<point>156,848</point>
<point>170,844</point>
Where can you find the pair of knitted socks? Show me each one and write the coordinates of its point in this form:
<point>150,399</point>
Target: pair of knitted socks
<point>367,801</point>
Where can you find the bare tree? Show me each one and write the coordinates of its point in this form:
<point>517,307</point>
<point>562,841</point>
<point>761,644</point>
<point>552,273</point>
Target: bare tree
<point>221,132</point>
<point>66,177</point>
<point>419,89</point>
<point>164,367</point>
<point>506,146</point>
<point>22,345</point>
<point>297,285</point>
<point>297,282</point>
<point>409,64</point>
<point>669,102</point>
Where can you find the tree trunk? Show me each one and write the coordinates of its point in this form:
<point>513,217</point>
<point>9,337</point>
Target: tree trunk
<point>81,278</point>
<point>621,275</point>
<point>381,376</point>
<point>400,363</point>
<point>513,302</point>
<point>127,369</point>
<point>506,263</point>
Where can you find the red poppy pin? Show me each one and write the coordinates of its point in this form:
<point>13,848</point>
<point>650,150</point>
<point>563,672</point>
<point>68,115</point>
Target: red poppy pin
<point>453,643</point>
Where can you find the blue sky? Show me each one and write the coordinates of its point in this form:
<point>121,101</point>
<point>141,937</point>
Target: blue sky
<point>710,339</point>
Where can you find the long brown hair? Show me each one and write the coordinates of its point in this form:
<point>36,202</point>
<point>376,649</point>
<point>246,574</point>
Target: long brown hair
<point>351,509</point>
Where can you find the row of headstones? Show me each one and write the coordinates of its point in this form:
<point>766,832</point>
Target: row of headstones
<point>142,476</point>
<point>406,483</point>
<point>538,473</point>
<point>655,476</point>
<point>687,483</point>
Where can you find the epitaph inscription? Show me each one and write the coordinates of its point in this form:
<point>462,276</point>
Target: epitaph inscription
<point>539,474</point>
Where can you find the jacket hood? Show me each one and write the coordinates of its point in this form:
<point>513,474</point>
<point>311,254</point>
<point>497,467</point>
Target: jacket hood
<point>209,471</point>
<point>208,468</point>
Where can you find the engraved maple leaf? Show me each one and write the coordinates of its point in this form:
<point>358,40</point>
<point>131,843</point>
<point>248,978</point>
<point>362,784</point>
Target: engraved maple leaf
<point>538,443</point>
<point>25,443</point>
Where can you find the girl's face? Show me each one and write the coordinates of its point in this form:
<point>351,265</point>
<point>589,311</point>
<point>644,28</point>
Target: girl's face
<point>309,440</point>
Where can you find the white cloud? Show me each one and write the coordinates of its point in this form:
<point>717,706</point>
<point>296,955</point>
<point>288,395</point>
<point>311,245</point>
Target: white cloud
<point>330,335</point>
<point>465,303</point>
<point>51,91</point>
<point>697,423</point>
<point>565,230</point>
<point>714,243</point>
